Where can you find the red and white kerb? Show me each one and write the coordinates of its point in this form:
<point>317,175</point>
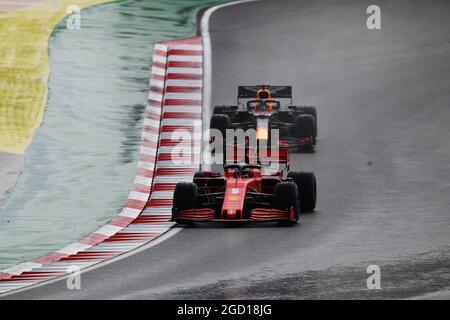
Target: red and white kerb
<point>174,102</point>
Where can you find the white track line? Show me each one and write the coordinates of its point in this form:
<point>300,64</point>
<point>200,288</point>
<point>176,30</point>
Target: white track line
<point>207,66</point>
<point>169,234</point>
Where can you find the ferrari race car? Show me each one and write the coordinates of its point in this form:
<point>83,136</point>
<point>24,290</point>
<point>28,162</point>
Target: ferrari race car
<point>269,107</point>
<point>245,193</point>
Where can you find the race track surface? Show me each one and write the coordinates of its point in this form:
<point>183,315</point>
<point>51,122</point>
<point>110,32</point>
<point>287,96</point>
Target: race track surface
<point>381,162</point>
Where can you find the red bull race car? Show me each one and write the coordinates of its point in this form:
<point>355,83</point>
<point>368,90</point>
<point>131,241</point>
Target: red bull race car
<point>245,192</point>
<point>264,108</point>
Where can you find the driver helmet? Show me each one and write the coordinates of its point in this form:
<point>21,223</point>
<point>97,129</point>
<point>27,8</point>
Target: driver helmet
<point>264,94</point>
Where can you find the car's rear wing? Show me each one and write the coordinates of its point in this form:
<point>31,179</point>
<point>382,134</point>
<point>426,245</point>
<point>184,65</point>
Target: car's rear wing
<point>276,92</point>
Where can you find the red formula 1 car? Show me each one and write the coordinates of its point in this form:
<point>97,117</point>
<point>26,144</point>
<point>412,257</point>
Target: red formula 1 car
<point>245,193</point>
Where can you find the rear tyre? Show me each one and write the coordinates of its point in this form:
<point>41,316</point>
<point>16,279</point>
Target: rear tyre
<point>307,186</point>
<point>220,122</point>
<point>308,110</point>
<point>313,111</point>
<point>286,196</point>
<point>184,198</point>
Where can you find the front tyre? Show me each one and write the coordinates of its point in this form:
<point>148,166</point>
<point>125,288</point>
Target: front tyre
<point>286,197</point>
<point>184,198</point>
<point>305,127</point>
<point>312,111</point>
<point>307,186</point>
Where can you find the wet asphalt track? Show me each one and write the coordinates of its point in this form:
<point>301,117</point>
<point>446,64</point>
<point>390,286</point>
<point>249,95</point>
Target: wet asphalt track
<point>382,162</point>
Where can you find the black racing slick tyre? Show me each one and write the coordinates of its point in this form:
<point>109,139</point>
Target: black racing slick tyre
<point>304,126</point>
<point>307,110</point>
<point>286,196</point>
<point>185,196</point>
<point>220,122</point>
<point>307,186</point>
<point>312,111</point>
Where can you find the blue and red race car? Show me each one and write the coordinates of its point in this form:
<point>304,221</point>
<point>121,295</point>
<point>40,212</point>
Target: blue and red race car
<point>245,192</point>
<point>264,108</point>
